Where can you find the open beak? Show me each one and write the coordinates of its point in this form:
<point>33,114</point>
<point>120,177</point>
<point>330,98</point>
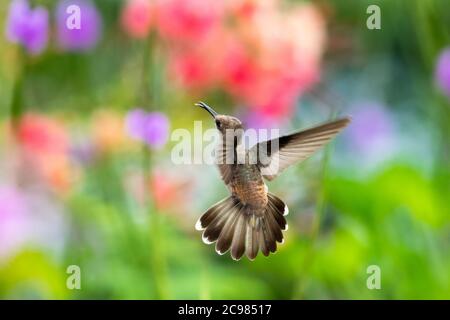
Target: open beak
<point>207,108</point>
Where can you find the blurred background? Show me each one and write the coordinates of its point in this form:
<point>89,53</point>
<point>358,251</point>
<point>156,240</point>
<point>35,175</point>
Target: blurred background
<point>86,116</point>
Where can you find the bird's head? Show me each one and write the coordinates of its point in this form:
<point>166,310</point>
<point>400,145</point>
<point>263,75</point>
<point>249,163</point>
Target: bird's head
<point>223,122</point>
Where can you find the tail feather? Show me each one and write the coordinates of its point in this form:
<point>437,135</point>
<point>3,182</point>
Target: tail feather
<point>221,212</point>
<point>238,243</point>
<point>266,241</point>
<point>270,241</point>
<point>242,230</point>
<point>252,238</point>
<point>211,214</point>
<point>226,235</point>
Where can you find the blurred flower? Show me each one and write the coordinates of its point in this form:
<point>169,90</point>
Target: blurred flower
<point>202,67</point>
<point>137,18</point>
<point>371,133</point>
<point>266,58</point>
<point>46,145</point>
<point>58,173</point>
<point>87,36</point>
<point>108,130</point>
<point>248,9</point>
<point>42,135</point>
<point>286,50</point>
<point>270,91</point>
<point>188,20</point>
<point>151,128</point>
<point>191,70</point>
<point>443,71</point>
<point>14,226</point>
<point>170,191</point>
<point>27,26</point>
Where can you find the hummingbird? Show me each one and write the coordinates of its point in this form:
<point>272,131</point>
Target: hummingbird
<point>252,219</point>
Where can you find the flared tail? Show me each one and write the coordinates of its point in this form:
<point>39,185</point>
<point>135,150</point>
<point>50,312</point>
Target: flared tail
<point>240,229</point>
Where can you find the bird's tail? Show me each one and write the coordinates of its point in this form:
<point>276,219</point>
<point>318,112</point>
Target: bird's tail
<point>240,229</point>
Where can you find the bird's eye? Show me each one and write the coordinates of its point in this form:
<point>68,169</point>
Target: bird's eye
<point>218,124</point>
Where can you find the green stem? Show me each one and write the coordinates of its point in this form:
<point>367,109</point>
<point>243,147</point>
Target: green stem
<point>150,96</point>
<point>17,107</point>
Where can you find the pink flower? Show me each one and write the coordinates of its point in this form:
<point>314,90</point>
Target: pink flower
<point>263,56</point>
<point>189,69</point>
<point>137,18</point>
<point>202,66</point>
<point>286,50</point>
<point>188,20</point>
<point>41,135</point>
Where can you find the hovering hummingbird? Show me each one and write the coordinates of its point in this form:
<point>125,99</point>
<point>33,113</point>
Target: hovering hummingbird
<point>251,218</point>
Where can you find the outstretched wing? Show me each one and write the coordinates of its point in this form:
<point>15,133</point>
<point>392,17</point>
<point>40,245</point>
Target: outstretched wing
<point>275,155</point>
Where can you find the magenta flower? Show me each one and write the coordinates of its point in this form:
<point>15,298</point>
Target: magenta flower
<point>87,35</point>
<point>443,71</point>
<point>149,127</point>
<point>26,26</point>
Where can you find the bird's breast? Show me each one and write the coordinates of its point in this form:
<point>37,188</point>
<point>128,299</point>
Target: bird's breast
<point>248,186</point>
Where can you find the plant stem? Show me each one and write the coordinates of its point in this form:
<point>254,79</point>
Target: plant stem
<point>17,108</point>
<point>150,96</point>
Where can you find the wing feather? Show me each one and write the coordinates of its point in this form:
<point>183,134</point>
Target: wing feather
<point>273,156</point>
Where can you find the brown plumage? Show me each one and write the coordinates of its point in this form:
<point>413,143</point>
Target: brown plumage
<point>251,219</point>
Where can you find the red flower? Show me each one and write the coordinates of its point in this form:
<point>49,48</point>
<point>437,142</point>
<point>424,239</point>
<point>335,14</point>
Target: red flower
<point>42,135</point>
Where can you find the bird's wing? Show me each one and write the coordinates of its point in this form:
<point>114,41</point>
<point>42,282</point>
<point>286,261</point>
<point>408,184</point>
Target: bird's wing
<point>226,157</point>
<point>273,156</point>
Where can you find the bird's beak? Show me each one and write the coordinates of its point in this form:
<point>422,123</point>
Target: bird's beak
<point>207,108</point>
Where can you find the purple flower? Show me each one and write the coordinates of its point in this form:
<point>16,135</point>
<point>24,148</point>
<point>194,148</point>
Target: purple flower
<point>371,132</point>
<point>151,128</point>
<point>27,27</point>
<point>84,36</point>
<point>443,71</point>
